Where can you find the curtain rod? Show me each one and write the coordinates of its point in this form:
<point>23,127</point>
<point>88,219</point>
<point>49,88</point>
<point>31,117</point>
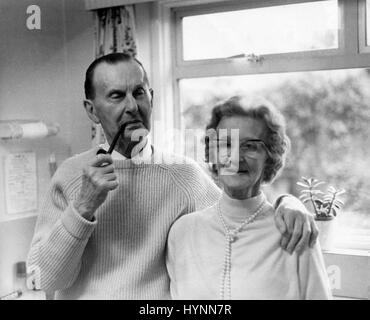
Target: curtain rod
<point>98,4</point>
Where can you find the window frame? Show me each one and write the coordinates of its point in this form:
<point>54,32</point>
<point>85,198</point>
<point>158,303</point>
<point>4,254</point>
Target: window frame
<point>168,68</point>
<point>348,55</point>
<point>182,12</point>
<point>363,47</point>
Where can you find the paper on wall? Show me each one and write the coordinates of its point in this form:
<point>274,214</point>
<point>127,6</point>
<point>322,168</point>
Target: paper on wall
<point>20,182</point>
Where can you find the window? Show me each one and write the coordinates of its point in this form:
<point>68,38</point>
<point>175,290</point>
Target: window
<point>276,29</point>
<point>327,117</point>
<point>312,63</point>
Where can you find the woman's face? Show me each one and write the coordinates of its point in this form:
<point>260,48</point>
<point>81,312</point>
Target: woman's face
<point>242,176</point>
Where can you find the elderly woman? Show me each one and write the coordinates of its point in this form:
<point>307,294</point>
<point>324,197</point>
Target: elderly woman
<point>231,250</point>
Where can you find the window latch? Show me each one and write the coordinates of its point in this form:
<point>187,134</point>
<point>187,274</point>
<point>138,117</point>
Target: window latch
<point>254,58</point>
<point>250,57</point>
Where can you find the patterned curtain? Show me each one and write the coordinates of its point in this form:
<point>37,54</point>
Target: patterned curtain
<point>114,32</point>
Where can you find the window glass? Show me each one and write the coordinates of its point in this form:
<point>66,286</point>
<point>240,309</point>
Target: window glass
<point>277,29</point>
<point>327,115</point>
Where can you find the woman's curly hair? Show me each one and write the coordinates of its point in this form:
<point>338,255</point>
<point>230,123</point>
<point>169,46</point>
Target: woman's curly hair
<point>276,141</point>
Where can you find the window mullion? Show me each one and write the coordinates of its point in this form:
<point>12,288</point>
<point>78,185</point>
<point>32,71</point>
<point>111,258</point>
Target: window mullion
<point>348,29</point>
<point>346,56</point>
<point>362,27</point>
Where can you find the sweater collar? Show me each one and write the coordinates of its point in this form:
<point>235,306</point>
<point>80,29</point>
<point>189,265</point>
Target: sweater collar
<point>238,210</point>
<point>144,155</point>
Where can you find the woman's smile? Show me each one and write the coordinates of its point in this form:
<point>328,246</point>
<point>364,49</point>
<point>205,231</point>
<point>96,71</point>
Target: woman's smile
<point>239,171</point>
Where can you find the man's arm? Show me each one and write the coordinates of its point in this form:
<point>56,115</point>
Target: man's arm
<point>60,238</point>
<point>64,227</point>
<point>295,223</point>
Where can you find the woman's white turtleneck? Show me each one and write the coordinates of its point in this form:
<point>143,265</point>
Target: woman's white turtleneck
<point>260,269</point>
<point>235,211</point>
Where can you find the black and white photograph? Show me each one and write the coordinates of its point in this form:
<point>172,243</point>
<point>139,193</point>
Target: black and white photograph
<point>184,150</point>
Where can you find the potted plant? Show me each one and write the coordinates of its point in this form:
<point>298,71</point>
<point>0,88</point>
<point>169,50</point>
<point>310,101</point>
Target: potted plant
<point>325,206</point>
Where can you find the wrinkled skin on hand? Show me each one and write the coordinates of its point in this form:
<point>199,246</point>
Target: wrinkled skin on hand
<point>296,224</point>
<point>98,178</point>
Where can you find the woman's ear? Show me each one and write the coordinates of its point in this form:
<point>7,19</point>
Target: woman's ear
<point>90,110</point>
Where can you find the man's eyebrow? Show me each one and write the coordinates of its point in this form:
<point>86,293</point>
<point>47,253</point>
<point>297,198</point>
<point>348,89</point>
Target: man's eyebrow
<point>115,90</point>
<point>141,84</point>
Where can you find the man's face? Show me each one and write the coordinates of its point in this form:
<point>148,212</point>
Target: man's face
<point>121,97</point>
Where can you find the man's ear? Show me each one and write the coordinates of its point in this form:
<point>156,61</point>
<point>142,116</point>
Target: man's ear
<point>152,94</point>
<point>90,110</point>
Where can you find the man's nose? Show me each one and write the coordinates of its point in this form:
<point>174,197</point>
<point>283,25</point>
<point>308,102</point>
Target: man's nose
<point>130,104</point>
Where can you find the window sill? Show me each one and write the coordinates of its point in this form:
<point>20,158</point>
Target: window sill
<point>349,272</point>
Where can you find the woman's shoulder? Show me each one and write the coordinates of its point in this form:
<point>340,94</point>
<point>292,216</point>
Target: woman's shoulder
<point>196,216</point>
<point>187,222</point>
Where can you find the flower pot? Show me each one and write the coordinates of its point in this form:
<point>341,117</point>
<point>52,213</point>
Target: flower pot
<point>327,228</point>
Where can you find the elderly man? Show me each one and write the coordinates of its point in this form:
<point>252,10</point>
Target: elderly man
<point>101,233</point>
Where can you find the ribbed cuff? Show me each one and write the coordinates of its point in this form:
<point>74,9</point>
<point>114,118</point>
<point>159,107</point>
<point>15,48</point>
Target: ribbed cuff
<point>76,225</point>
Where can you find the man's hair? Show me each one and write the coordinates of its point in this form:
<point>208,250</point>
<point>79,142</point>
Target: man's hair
<point>112,59</point>
<point>277,141</point>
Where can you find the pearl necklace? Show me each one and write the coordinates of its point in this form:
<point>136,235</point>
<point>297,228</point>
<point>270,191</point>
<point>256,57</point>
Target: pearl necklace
<point>231,235</point>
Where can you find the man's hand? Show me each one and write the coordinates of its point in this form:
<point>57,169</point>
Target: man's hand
<point>296,225</point>
<point>98,178</point>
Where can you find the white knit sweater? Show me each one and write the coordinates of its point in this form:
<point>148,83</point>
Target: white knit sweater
<point>120,255</point>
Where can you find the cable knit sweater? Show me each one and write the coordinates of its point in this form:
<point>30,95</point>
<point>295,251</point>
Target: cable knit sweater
<point>121,254</point>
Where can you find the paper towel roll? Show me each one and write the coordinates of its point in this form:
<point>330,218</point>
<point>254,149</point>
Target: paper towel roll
<point>38,130</point>
<point>34,130</point>
<point>30,130</point>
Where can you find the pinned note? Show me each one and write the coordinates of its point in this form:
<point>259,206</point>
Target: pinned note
<point>20,182</point>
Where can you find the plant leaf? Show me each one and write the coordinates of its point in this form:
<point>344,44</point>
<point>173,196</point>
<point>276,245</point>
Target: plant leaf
<point>318,184</point>
<point>305,191</point>
<point>317,192</point>
<point>302,184</point>
<point>304,196</point>
<point>338,201</point>
<point>305,200</point>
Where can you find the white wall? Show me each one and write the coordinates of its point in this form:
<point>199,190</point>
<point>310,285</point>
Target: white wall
<point>41,77</point>
<point>79,46</point>
<point>143,23</point>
